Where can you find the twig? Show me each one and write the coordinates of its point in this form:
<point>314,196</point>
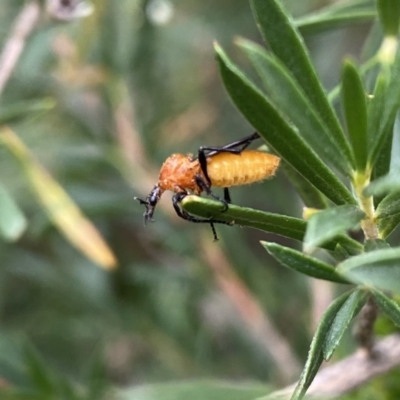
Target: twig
<point>364,328</point>
<point>23,26</point>
<point>346,375</point>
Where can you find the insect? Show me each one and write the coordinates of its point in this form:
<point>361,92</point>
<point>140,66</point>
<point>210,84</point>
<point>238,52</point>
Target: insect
<point>226,166</point>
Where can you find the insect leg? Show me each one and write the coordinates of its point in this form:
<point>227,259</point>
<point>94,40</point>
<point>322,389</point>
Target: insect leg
<point>178,197</point>
<point>206,188</point>
<point>245,142</point>
<point>227,195</point>
<point>235,148</point>
<point>238,146</point>
<point>214,232</point>
<point>203,165</point>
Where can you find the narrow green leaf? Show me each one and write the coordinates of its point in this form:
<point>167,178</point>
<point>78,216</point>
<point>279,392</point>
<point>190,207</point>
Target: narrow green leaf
<point>308,193</point>
<point>372,43</point>
<point>347,312</point>
<point>310,25</point>
<point>388,210</point>
<point>291,227</point>
<point>375,244</point>
<point>285,42</point>
<point>304,264</point>
<point>378,269</point>
<point>391,104</point>
<point>40,375</point>
<point>289,99</point>
<point>386,184</point>
<point>315,354</point>
<point>355,111</point>
<point>337,15</point>
<point>387,225</point>
<point>279,135</point>
<point>390,182</point>
<point>382,164</point>
<point>389,207</point>
<point>375,107</point>
<point>372,62</point>
<point>326,224</point>
<point>388,306</point>
<point>15,111</point>
<point>349,245</point>
<point>12,221</point>
<point>60,208</point>
<point>345,7</point>
<point>280,224</point>
<point>343,252</point>
<point>395,148</point>
<point>389,16</point>
<point>388,214</point>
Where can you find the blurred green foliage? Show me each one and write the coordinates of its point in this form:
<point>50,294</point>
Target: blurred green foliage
<point>101,102</point>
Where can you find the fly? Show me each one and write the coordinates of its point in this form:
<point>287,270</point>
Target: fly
<point>226,166</point>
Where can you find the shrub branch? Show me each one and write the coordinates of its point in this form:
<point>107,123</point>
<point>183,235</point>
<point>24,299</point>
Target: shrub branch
<point>346,375</point>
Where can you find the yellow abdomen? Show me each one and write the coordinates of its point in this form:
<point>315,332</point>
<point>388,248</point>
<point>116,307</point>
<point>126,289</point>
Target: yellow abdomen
<point>226,169</point>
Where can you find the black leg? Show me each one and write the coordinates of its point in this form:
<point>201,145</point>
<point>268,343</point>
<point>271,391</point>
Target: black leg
<point>206,188</point>
<point>203,165</point>
<point>178,197</point>
<point>245,142</point>
<point>215,236</point>
<point>227,195</point>
<point>235,148</point>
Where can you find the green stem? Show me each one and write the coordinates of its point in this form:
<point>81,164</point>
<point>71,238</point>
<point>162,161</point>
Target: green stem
<point>387,52</point>
<point>368,224</point>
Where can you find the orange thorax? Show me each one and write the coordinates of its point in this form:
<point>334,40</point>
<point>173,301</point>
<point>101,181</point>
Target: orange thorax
<point>177,174</point>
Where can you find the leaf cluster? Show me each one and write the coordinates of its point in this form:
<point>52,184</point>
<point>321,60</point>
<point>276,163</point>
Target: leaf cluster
<point>339,163</point>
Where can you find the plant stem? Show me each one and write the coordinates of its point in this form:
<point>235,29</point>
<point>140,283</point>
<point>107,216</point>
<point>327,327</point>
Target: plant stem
<point>368,224</point>
<point>363,331</point>
<point>23,26</point>
<point>335,380</point>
